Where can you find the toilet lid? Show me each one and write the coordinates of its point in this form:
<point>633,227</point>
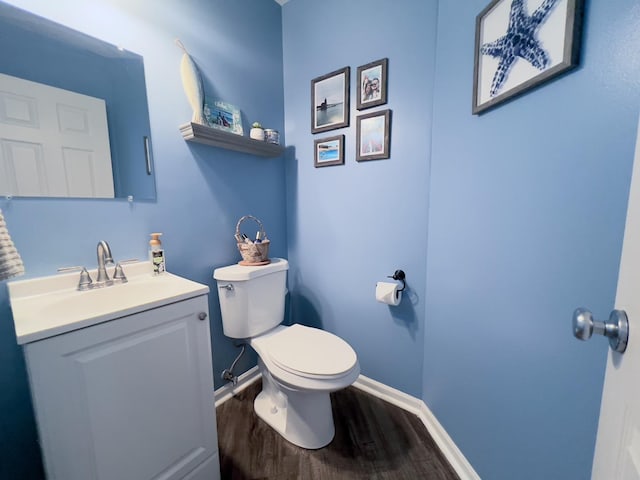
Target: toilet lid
<point>311,351</point>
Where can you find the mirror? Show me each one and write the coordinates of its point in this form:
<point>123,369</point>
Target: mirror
<point>74,117</point>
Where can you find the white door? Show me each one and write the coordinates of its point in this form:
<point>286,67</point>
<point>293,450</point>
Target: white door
<point>617,455</point>
<point>53,142</point>
<point>128,399</point>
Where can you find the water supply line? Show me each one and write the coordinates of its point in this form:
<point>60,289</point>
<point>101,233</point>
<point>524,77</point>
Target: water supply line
<point>227,373</point>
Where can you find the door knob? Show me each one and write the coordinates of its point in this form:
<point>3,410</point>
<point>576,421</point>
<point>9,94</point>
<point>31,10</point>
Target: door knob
<point>616,328</point>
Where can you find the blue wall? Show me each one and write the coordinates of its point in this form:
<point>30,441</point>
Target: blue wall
<point>525,212</point>
<point>352,225</point>
<point>526,221</point>
<point>202,191</point>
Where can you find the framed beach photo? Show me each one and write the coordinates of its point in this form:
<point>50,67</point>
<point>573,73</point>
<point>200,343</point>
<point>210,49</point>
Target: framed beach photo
<point>329,151</point>
<point>373,135</point>
<point>372,84</point>
<point>222,116</point>
<point>330,101</point>
<point>522,44</point>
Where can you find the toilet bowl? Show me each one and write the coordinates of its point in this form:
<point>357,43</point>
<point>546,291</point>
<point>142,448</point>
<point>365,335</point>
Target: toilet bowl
<point>300,365</point>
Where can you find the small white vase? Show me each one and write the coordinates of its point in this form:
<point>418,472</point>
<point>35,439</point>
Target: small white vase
<point>257,134</point>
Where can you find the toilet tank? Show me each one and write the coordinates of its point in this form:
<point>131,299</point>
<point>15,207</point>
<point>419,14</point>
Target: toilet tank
<point>254,301</point>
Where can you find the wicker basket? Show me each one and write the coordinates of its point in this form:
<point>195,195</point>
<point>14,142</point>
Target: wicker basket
<point>254,253</point>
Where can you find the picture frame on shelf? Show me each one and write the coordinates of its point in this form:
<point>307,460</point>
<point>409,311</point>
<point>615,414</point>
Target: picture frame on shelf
<point>223,116</point>
<point>373,135</point>
<point>329,151</point>
<point>372,84</point>
<point>330,101</point>
<point>547,34</point>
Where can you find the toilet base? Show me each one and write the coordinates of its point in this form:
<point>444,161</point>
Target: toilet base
<point>303,418</point>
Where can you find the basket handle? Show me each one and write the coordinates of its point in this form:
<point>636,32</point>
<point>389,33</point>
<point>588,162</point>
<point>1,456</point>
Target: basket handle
<point>251,217</point>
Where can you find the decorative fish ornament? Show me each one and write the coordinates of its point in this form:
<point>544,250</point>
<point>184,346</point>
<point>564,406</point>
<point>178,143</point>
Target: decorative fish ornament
<point>192,84</point>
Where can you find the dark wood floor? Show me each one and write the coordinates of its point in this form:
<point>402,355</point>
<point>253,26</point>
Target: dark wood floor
<point>374,440</point>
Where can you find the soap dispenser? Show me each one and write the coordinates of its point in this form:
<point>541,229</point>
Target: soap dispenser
<point>156,254</point>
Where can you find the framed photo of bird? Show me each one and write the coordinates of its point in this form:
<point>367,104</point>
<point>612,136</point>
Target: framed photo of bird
<point>521,44</point>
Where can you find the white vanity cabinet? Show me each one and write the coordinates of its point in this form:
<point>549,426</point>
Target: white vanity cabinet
<point>130,398</point>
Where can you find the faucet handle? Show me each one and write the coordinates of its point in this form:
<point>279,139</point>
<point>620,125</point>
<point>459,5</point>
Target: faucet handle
<point>85,282</point>
<point>118,275</point>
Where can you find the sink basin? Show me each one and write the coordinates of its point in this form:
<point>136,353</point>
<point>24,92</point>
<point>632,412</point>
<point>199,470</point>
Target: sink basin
<point>48,306</point>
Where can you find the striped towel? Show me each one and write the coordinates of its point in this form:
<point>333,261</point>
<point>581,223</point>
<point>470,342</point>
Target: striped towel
<point>10,261</point>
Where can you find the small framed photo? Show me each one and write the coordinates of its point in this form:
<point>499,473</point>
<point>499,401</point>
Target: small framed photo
<point>329,151</point>
<point>222,116</point>
<point>520,45</point>
<point>330,101</point>
<point>372,84</point>
<point>373,135</point>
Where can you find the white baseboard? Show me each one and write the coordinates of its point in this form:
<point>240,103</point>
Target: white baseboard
<point>227,391</point>
<point>389,394</point>
<point>416,406</point>
<point>395,397</point>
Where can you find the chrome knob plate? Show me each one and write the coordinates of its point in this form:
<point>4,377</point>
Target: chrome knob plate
<point>616,328</point>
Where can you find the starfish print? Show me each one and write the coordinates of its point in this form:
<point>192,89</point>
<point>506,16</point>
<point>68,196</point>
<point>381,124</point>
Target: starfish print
<point>519,41</point>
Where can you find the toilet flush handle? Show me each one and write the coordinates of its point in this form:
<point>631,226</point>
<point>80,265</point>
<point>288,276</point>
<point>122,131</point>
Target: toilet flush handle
<point>228,286</point>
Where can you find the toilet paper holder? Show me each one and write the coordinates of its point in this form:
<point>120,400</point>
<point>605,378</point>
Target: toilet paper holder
<point>399,275</point>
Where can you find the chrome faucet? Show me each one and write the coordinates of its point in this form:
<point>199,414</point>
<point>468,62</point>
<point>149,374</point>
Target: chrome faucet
<point>104,258</point>
<point>103,280</point>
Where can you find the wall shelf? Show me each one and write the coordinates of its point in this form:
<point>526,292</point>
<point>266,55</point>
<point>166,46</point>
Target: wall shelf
<point>194,132</point>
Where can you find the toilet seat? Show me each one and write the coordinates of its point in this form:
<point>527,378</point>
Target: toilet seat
<point>308,352</point>
<point>311,352</point>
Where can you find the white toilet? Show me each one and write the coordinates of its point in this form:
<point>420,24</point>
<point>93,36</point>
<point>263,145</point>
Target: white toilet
<point>300,365</point>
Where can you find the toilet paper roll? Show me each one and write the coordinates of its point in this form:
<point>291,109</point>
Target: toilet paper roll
<point>387,292</point>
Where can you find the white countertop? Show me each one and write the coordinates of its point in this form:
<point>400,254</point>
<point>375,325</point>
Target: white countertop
<point>47,306</point>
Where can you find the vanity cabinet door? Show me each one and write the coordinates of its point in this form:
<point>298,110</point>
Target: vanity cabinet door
<point>128,399</point>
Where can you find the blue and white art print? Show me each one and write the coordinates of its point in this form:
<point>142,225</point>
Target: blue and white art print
<point>223,116</point>
<point>329,151</point>
<point>522,43</point>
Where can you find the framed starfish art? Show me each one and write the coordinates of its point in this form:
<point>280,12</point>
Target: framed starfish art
<point>522,43</point>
